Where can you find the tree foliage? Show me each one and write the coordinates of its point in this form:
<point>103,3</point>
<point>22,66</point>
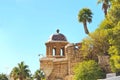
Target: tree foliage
<point>14,73</point>
<point>114,49</point>
<point>114,41</point>
<point>113,14</point>
<point>21,72</point>
<point>88,70</point>
<point>39,75</point>
<point>105,5</point>
<point>87,50</point>
<point>100,41</point>
<point>96,44</point>
<point>106,38</point>
<point>3,77</point>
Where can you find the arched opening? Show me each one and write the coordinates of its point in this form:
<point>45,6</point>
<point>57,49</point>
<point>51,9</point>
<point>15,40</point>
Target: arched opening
<point>54,52</point>
<point>76,47</point>
<point>62,52</point>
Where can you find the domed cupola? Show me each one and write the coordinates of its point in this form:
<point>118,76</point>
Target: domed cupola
<point>57,37</point>
<point>55,46</point>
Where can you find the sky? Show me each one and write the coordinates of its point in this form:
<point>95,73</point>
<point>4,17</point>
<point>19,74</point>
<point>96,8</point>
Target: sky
<point>25,26</point>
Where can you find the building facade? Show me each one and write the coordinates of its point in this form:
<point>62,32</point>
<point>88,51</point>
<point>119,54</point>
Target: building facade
<point>61,57</point>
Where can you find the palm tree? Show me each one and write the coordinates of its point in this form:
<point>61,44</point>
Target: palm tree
<point>84,16</point>
<point>21,72</point>
<point>39,75</point>
<point>105,5</point>
<point>3,77</point>
<point>14,73</point>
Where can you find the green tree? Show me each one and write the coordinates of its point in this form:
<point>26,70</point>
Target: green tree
<point>114,12</point>
<point>92,46</point>
<point>3,77</point>
<point>14,73</point>
<point>114,49</point>
<point>88,70</point>
<point>39,75</point>
<point>114,41</point>
<point>100,40</point>
<point>105,5</point>
<point>21,72</point>
<point>30,77</point>
<point>105,39</point>
<point>87,49</point>
<point>84,16</point>
<point>112,25</point>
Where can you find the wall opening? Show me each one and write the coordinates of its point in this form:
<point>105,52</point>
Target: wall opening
<point>54,52</point>
<point>62,52</point>
<point>76,47</point>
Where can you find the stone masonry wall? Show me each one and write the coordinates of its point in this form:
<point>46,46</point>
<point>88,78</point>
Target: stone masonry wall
<point>60,71</point>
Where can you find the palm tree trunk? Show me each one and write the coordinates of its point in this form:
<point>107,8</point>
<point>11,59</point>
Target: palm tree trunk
<point>85,27</point>
<point>21,78</point>
<point>105,11</point>
<point>105,8</point>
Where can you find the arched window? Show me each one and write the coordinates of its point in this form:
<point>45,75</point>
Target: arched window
<point>62,52</point>
<point>76,47</point>
<point>54,51</point>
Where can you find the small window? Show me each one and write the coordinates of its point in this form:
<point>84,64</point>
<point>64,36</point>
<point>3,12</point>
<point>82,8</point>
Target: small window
<point>61,52</point>
<point>76,47</point>
<point>54,52</point>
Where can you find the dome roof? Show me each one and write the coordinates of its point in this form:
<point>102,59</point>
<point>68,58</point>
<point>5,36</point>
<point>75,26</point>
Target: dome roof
<point>57,37</point>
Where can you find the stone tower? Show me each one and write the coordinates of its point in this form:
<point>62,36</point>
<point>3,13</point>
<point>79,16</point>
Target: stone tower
<point>61,57</point>
<point>55,47</point>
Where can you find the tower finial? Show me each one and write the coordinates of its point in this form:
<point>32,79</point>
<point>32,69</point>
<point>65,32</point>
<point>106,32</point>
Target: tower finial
<point>57,30</point>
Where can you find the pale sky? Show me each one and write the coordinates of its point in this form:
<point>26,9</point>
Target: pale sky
<point>25,26</point>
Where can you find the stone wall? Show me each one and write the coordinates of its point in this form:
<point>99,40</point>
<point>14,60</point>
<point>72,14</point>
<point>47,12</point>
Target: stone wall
<point>46,65</point>
<point>60,71</point>
<point>73,56</point>
<point>54,68</point>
